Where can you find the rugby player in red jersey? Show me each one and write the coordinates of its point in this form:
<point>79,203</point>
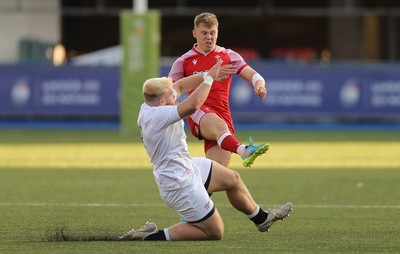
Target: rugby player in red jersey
<point>213,121</point>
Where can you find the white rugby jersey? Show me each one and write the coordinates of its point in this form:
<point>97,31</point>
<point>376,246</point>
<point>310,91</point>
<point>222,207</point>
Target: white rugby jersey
<point>164,139</point>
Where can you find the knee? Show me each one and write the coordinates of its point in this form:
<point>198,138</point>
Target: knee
<point>235,178</point>
<point>216,231</point>
<point>231,180</point>
<point>217,237</point>
<point>216,234</point>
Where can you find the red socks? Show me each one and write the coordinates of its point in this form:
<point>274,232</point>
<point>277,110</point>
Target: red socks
<point>228,142</point>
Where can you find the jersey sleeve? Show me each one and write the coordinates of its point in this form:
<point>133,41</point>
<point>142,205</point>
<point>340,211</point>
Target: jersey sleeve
<point>163,116</point>
<point>237,60</point>
<point>176,72</point>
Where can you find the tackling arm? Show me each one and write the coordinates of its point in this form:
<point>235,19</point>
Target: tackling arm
<point>190,83</point>
<point>200,94</point>
<point>187,84</point>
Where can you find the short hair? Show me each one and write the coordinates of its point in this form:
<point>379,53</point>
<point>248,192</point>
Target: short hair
<point>206,18</point>
<point>154,88</point>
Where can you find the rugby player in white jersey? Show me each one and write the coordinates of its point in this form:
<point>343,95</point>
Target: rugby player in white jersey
<point>185,183</point>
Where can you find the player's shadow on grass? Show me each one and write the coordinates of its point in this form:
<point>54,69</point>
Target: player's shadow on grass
<point>61,235</point>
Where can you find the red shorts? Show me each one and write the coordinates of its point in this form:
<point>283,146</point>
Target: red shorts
<point>194,125</point>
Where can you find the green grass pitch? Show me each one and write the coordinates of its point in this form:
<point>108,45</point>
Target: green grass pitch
<point>77,191</point>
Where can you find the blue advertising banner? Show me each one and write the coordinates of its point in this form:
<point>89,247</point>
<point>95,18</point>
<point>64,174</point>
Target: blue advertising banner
<point>15,92</point>
<point>320,91</point>
<point>292,91</point>
<point>60,91</point>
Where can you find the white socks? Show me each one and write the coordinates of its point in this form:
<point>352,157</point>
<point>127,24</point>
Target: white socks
<point>250,216</point>
<point>166,232</point>
<point>241,149</point>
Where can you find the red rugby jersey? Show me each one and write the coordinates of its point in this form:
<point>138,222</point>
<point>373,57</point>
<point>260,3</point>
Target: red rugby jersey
<point>195,62</point>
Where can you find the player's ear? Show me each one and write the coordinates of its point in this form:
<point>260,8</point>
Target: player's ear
<point>194,33</point>
<point>162,101</point>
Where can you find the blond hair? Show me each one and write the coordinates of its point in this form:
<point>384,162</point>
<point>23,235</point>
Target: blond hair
<point>206,18</point>
<point>155,88</point>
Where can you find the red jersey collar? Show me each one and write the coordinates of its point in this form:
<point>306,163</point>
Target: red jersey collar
<point>198,51</point>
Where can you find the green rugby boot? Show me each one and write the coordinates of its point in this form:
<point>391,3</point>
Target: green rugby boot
<point>252,152</point>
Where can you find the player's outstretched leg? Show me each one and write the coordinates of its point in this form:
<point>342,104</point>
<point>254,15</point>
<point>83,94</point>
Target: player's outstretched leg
<point>252,152</point>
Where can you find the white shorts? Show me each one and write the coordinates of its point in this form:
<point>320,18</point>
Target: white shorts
<point>192,202</point>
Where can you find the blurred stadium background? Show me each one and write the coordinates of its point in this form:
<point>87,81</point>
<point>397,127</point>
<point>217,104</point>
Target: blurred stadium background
<point>326,62</point>
<point>70,182</point>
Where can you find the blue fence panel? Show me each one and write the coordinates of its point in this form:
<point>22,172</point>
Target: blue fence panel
<point>15,92</point>
<point>320,91</point>
<point>315,91</point>
<point>292,91</point>
<point>60,91</point>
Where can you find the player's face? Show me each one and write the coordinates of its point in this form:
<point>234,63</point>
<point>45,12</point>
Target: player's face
<point>206,37</point>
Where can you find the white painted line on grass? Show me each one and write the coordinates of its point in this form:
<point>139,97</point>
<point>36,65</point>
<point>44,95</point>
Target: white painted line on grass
<point>150,205</point>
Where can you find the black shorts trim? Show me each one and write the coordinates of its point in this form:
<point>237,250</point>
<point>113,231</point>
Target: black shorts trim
<point>205,217</point>
<point>207,183</point>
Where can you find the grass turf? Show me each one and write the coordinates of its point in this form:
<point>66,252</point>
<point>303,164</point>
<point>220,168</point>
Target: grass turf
<point>51,203</point>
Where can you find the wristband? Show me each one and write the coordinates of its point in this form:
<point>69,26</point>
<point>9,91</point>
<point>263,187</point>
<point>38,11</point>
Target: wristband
<point>208,80</point>
<point>205,74</point>
<point>174,94</point>
<point>255,78</point>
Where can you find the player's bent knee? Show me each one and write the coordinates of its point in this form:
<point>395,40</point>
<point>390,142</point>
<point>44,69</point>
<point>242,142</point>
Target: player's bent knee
<point>217,237</point>
<point>214,227</point>
<point>234,178</point>
<point>216,234</point>
<point>227,179</point>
